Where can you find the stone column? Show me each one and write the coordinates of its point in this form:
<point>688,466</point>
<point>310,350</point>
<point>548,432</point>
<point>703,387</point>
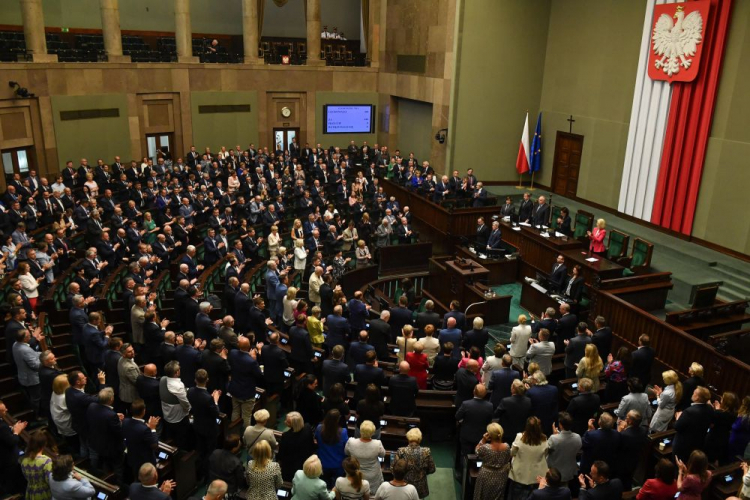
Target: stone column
<point>250,35</point>
<point>373,38</point>
<point>313,33</point>
<point>111,31</point>
<point>33,31</point>
<point>183,32</point>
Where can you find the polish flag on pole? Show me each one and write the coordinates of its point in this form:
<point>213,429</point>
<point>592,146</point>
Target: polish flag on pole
<point>523,160</point>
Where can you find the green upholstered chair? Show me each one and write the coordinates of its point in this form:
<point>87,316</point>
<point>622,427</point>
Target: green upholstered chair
<point>639,260</point>
<point>555,215</point>
<point>618,245</point>
<point>584,223</point>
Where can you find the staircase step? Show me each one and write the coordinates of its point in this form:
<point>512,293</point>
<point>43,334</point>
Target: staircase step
<point>732,271</point>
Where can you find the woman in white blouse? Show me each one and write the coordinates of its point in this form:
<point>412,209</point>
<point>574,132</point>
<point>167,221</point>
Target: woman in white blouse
<point>519,341</point>
<point>300,255</point>
<point>59,408</point>
<point>274,241</point>
<point>290,304</point>
<point>528,451</point>
<point>29,284</point>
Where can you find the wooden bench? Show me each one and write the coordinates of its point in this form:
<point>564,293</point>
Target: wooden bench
<point>718,318</point>
<point>646,291</point>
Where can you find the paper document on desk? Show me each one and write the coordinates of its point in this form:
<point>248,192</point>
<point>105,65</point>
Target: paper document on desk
<point>544,235</point>
<point>516,228</point>
<point>471,249</point>
<point>482,256</point>
<point>539,287</point>
<point>558,235</point>
<point>524,224</point>
<point>592,259</point>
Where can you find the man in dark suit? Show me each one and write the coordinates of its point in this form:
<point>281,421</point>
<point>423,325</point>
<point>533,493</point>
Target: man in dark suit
<point>483,233</point>
<point>559,274</point>
<point>583,407</point>
<point>167,349</point>
<point>600,444</point>
<point>544,401</point>
<point>692,424</point>
<point>147,386</point>
<point>427,317</point>
<point>477,337</point>
<point>242,309</point>
<point>147,487</point>
<point>339,330</point>
<point>566,326</point>
<point>140,436</point>
<point>575,349</point>
<point>526,209</point>
<point>189,356</point>
<point>206,423</point>
<point>643,358</point>
<point>191,309</point>
<point>690,384</point>
<point>602,337</point>
<point>335,370</point>
<point>358,350</point>
<point>501,380</point>
<point>214,361</point>
<point>600,486</point>
<point>153,333</point>
<point>453,335</point>
<point>404,232</point>
<point>494,241</point>
<point>541,213</point>
<point>95,342</point>
<point>404,391</point>
<point>632,442</point>
<point>366,374</point>
<point>400,316</point>
<point>507,209</point>
<point>513,411</point>
<point>105,434</point>
<point>474,415</point>
<point>465,381</point>
<point>257,321</point>
<point>547,322</point>
<point>205,328</point>
<point>380,334</point>
<point>274,363</point>
<point>456,313</point>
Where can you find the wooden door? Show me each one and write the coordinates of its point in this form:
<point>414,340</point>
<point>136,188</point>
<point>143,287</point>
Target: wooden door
<point>568,150</point>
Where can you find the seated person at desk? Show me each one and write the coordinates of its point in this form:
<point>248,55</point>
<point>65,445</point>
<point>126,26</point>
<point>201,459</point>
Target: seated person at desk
<point>574,287</point>
<point>541,213</point>
<point>495,239</point>
<point>559,274</point>
<point>483,233</point>
<point>508,209</point>
<point>563,222</point>
<point>597,238</point>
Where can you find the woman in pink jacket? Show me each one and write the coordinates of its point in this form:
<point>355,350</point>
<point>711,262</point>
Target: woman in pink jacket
<point>597,238</point>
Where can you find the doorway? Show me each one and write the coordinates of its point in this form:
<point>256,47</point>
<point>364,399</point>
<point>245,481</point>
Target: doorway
<point>568,150</point>
<point>17,161</point>
<point>282,138</point>
<point>159,146</point>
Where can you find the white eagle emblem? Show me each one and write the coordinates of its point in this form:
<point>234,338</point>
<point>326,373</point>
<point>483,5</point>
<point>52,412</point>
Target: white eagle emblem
<point>677,42</point>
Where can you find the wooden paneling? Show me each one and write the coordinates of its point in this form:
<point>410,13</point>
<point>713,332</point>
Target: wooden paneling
<point>567,164</point>
<point>15,127</point>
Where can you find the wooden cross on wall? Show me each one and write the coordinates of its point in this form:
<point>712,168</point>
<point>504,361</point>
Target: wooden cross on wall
<point>571,121</point>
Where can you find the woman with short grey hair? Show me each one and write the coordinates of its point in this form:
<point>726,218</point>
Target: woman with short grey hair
<point>367,450</point>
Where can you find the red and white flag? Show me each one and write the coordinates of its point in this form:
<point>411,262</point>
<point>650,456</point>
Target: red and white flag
<point>523,160</point>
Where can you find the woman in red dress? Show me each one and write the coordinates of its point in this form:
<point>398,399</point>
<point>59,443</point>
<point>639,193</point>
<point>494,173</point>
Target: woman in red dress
<point>418,365</point>
<point>597,238</point>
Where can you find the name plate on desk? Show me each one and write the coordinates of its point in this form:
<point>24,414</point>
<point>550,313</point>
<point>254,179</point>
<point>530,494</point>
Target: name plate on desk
<point>516,228</point>
<point>539,287</point>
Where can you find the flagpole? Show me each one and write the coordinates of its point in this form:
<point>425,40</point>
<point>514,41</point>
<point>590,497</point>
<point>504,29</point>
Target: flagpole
<point>532,188</point>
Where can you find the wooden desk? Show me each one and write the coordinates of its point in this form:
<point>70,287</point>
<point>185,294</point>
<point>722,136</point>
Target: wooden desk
<point>535,301</point>
<point>538,253</point>
<point>402,259</point>
<point>646,291</point>
<point>448,280</point>
<point>502,270</point>
<point>602,269</point>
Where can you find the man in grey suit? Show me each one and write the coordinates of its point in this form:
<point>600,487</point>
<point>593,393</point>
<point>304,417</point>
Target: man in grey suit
<point>28,365</point>
<point>562,448</point>
<point>474,414</point>
<point>137,320</point>
<point>128,372</point>
<point>541,352</point>
<point>575,349</point>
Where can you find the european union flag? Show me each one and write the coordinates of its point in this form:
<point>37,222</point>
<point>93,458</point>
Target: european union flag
<point>536,147</point>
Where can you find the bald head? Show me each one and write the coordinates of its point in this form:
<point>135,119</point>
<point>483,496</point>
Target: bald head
<point>244,344</point>
<point>451,322</point>
<point>480,391</point>
<point>473,366</point>
<point>149,370</point>
<point>403,368</point>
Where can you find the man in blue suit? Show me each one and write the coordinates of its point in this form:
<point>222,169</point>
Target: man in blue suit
<point>96,342</point>
<point>551,487</point>
<point>358,312</point>
<point>338,329</point>
<point>147,487</point>
<point>474,415</point>
<point>275,363</point>
<point>242,309</point>
<point>246,375</point>
<point>400,316</point>
<point>547,321</point>
<point>358,350</point>
<point>559,274</point>
<point>206,423</point>
<point>544,401</point>
<point>495,239</point>
<point>78,319</point>
<point>335,370</point>
<point>78,402</point>
<point>272,281</point>
<point>600,444</point>
<point>211,253</point>
<point>455,313</point>
<point>453,335</point>
<point>105,434</point>
<point>189,356</point>
<point>501,380</point>
<point>205,328</point>
<point>189,259</point>
<point>366,374</point>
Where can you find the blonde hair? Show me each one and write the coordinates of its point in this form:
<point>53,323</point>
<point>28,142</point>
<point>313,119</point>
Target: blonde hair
<point>361,243</point>
<point>407,330</point>
<point>261,416</point>
<point>414,435</point>
<point>296,421</point>
<point>478,323</point>
<point>291,293</point>
<point>593,360</point>
<point>298,243</point>
<point>367,429</point>
<point>697,369</point>
<point>60,384</point>
<point>495,431</point>
<point>418,347</point>
<point>585,384</point>
<point>313,468</point>
<point>522,319</point>
<point>601,223</point>
<point>261,454</point>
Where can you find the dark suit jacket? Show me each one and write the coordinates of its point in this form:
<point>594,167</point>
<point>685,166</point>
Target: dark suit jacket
<point>427,318</point>
<point>599,444</point>
<point>338,331</point>
<point>607,491</point>
<point>205,327</point>
<point>274,363</point>
<point>465,383</point>
<point>104,431</point>
<point>218,370</point>
<point>483,234</point>
<point>643,358</point>
<point>541,215</point>
<point>334,371</point>
<point>205,412</point>
<point>692,427</point>
<point>495,239</point>
<point>404,390</point>
<point>566,327</point>
<point>512,413</point>
<point>242,312</point>
<point>500,383</point>
<point>548,493</point>
<point>576,289</point>
<point>575,350</point>
<point>141,442</point>
<point>148,390</point>
<point>544,404</point>
<point>380,335</point>
<point>632,441</point>
<point>602,339</point>
<point>582,408</point>
<point>191,312</point>
<point>365,375</point>
<point>476,338</point>
<point>525,211</point>
<point>300,345</point>
<point>138,492</point>
<point>246,375</point>
<point>190,361</point>
<point>476,414</point>
<point>558,276</point>
<point>400,316</point>
<point>154,336</point>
